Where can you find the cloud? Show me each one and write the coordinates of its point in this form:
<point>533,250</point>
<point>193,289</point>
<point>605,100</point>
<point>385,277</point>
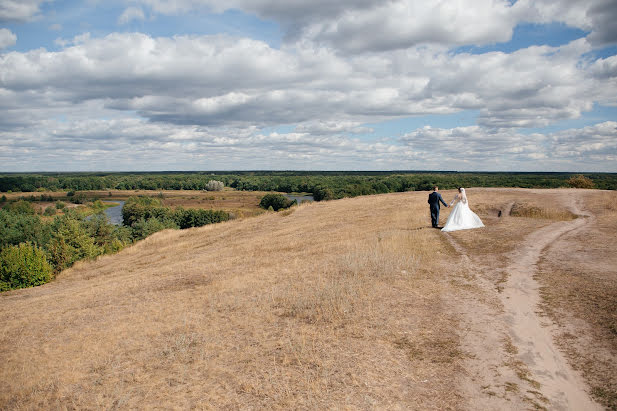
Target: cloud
<point>7,38</point>
<point>55,27</point>
<point>592,148</point>
<point>19,10</point>
<point>121,142</point>
<point>357,26</point>
<point>595,16</point>
<point>221,80</point>
<point>130,14</point>
<point>595,143</point>
<point>140,145</point>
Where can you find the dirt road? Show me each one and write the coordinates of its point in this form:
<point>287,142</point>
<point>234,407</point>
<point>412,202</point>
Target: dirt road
<point>513,359</point>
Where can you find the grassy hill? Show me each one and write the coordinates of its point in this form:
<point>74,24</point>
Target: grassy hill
<point>353,303</point>
<point>336,303</point>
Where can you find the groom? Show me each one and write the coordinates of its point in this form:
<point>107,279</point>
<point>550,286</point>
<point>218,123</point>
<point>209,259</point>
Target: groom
<point>433,199</point>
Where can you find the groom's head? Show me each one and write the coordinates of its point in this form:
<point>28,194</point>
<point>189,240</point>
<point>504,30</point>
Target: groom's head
<point>435,188</point>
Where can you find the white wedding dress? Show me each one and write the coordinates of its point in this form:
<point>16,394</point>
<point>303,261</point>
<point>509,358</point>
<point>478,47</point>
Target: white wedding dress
<point>461,217</point>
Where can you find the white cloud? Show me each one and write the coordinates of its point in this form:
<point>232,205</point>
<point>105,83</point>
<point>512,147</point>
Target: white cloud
<point>20,10</point>
<point>7,38</point>
<point>597,142</point>
<point>217,80</point>
<point>370,25</point>
<point>592,148</point>
<point>130,14</point>
<point>595,16</point>
<point>55,27</point>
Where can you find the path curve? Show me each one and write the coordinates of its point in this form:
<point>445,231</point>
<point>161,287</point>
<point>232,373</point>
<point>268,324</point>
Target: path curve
<point>532,333</point>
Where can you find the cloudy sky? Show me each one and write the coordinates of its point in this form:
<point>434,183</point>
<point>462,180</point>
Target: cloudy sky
<point>493,85</point>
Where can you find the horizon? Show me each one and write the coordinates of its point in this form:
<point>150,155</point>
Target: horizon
<point>301,171</point>
<point>142,85</point>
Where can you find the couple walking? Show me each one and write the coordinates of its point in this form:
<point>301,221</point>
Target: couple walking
<point>461,218</point>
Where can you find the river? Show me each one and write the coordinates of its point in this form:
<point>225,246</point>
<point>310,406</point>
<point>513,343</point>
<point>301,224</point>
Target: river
<point>300,198</point>
<point>114,214</point>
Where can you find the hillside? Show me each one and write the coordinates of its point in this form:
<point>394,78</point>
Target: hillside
<point>354,303</point>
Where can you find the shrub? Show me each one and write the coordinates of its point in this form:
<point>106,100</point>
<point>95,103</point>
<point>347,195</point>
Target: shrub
<point>60,205</point>
<point>21,207</point>
<point>71,242</point>
<point>580,181</point>
<point>142,228</point>
<point>23,265</point>
<point>78,198</point>
<point>137,208</point>
<point>49,211</point>
<point>197,218</point>
<point>214,185</point>
<point>21,228</point>
<point>276,201</point>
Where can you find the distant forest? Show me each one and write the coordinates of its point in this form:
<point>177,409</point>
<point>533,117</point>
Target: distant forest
<point>323,185</point>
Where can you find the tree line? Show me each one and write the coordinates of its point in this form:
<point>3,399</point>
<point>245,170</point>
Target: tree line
<point>323,185</point>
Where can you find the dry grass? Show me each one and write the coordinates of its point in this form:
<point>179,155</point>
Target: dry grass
<point>534,211</point>
<point>348,304</point>
<point>341,304</point>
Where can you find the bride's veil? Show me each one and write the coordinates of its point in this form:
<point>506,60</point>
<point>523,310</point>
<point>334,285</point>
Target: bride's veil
<point>463,196</point>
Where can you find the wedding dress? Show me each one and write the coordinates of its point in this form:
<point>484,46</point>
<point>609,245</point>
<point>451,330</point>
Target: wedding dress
<point>461,217</point>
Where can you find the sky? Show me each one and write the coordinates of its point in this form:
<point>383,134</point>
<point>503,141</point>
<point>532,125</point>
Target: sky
<point>156,85</point>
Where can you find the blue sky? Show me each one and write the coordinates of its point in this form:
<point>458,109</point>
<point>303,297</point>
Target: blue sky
<point>207,84</point>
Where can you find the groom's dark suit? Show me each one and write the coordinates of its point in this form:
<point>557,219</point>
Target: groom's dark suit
<point>433,199</point>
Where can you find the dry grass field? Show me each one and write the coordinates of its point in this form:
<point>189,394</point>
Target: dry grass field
<point>354,303</point>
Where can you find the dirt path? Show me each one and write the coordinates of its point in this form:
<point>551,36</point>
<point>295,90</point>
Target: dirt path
<point>514,361</point>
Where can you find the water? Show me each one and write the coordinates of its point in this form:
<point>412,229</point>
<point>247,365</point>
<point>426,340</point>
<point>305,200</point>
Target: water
<point>114,214</point>
<point>300,199</point>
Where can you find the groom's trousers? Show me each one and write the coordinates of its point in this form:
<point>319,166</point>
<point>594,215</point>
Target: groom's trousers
<point>435,216</point>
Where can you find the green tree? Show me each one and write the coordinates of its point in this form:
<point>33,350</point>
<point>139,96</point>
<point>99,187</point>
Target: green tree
<point>276,201</point>
<point>71,242</point>
<point>23,265</point>
<point>21,207</point>
<point>143,228</point>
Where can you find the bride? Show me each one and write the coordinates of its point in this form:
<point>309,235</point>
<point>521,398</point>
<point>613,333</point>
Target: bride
<point>461,217</point>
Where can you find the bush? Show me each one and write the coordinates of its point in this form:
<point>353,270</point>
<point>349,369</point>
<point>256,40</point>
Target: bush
<point>49,211</point>
<point>137,208</point>
<point>21,207</point>
<point>580,181</point>
<point>276,201</point>
<point>23,265</point>
<point>21,228</point>
<point>214,185</point>
<point>71,242</point>
<point>60,205</point>
<point>197,218</point>
<point>143,228</point>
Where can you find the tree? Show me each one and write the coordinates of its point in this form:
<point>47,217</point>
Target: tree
<point>276,201</point>
<point>23,265</point>
<point>580,181</point>
<point>214,185</point>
